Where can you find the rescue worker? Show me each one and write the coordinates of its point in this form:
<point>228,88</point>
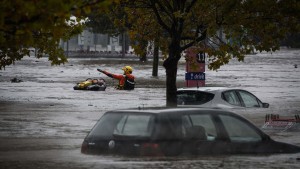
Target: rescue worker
<point>126,81</point>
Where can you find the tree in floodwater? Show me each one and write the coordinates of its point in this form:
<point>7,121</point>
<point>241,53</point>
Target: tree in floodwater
<point>222,29</point>
<point>26,24</point>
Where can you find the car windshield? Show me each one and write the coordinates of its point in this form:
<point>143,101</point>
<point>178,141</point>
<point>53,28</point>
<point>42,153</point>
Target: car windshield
<point>249,99</point>
<point>193,97</point>
<point>123,124</point>
<point>239,131</point>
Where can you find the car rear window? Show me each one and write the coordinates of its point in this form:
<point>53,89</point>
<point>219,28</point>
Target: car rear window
<point>105,126</point>
<point>193,97</point>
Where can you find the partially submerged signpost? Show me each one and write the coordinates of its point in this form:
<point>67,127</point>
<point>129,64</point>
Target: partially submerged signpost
<point>195,68</point>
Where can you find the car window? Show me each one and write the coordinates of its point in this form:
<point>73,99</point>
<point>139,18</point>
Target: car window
<point>231,97</point>
<point>202,120</point>
<point>239,130</point>
<point>249,99</point>
<point>134,125</point>
<point>193,97</point>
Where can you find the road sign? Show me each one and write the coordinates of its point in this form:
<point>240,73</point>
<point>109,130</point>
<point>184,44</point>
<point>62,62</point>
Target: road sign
<point>195,61</point>
<point>194,76</point>
<point>195,67</point>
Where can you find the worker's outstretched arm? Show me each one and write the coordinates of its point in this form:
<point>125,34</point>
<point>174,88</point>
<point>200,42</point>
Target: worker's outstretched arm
<point>110,74</point>
<point>106,73</point>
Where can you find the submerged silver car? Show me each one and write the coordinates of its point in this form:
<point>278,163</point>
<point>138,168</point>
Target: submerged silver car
<point>218,97</point>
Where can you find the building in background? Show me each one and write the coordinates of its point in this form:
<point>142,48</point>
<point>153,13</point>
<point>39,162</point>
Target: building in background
<point>89,42</point>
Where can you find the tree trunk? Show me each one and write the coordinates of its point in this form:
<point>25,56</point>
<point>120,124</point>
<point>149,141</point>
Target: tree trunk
<point>123,45</point>
<point>170,65</point>
<point>155,59</point>
<point>143,56</point>
<point>171,73</point>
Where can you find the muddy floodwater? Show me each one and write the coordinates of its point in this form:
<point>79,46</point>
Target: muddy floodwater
<point>43,121</point>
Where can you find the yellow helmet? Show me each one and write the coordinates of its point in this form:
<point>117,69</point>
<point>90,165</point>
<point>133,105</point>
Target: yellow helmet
<point>127,69</point>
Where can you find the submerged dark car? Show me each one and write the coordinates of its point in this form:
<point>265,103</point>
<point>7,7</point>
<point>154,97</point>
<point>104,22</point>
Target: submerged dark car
<point>178,131</point>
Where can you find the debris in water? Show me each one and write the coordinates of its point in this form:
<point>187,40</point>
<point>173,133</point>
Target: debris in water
<point>16,80</point>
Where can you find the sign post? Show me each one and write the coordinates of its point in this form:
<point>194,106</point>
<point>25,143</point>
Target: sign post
<point>195,68</point>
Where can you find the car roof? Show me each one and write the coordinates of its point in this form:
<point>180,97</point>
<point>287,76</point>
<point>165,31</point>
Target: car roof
<point>167,110</point>
<point>208,89</point>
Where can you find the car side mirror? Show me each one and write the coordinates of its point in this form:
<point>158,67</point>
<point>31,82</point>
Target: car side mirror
<point>265,105</point>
